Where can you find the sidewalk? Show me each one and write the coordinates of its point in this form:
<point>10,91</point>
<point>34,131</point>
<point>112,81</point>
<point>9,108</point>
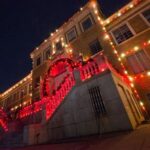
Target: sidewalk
<point>136,140</point>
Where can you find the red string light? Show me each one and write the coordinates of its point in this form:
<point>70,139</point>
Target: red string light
<point>3,120</point>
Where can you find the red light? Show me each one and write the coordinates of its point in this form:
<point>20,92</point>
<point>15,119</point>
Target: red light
<point>142,76</point>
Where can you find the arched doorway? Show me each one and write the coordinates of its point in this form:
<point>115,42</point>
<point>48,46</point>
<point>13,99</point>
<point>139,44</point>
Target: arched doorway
<point>56,75</point>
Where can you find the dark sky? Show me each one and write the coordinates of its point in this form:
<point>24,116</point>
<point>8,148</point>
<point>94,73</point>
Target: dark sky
<point>24,24</point>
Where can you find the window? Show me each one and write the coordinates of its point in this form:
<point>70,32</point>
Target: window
<point>9,100</point>
<point>71,35</point>
<point>38,61</point>
<point>59,46</point>
<point>122,34</point>
<point>148,96</point>
<point>97,101</point>
<point>139,62</point>
<point>21,94</point>
<point>1,104</point>
<point>47,54</point>
<point>95,46</point>
<point>15,97</point>
<point>146,14</point>
<point>25,90</point>
<point>30,88</point>
<point>86,24</point>
<point>37,82</point>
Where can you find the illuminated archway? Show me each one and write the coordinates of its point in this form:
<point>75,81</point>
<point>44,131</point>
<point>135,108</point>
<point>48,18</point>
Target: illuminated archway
<point>56,75</point>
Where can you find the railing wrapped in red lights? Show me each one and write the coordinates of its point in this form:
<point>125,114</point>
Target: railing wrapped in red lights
<point>52,101</point>
<point>4,125</point>
<point>3,120</point>
<point>93,67</point>
<point>26,111</point>
<point>29,110</point>
<point>55,100</point>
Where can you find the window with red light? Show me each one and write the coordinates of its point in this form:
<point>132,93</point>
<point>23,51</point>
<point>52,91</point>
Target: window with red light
<point>37,82</point>
<point>59,46</point>
<point>139,62</point>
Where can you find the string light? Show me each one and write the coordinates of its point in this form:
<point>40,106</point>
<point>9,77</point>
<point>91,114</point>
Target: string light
<point>119,14</point>
<point>29,77</point>
<point>126,72</point>
<point>54,52</point>
<point>131,78</point>
<point>45,40</point>
<point>96,11</point>
<point>108,21</point>
<point>132,85</point>
<point>52,34</point>
<point>115,52</point>
<point>131,5</point>
<point>135,49</point>
<point>148,73</point>
<point>123,55</point>
<point>141,103</point>
<point>81,9</point>
<point>106,36</point>
<point>122,11</point>
<point>119,58</point>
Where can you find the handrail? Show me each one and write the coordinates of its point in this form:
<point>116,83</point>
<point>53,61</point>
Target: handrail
<point>54,101</point>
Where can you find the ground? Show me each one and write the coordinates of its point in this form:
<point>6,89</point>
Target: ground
<point>133,140</point>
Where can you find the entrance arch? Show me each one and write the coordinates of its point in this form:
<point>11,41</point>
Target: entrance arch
<point>56,75</point>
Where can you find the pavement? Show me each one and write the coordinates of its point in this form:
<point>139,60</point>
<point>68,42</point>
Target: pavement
<point>138,139</point>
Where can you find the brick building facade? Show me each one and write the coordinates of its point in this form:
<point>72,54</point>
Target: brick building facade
<point>89,52</point>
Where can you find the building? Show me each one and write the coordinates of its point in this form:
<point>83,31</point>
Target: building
<point>82,34</point>
<point>129,30</point>
<point>19,95</point>
<point>72,38</point>
<point>84,79</point>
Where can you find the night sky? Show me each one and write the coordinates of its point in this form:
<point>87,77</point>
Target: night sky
<point>24,24</point>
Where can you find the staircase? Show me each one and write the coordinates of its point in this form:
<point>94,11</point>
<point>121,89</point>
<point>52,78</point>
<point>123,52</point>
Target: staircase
<point>51,103</point>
